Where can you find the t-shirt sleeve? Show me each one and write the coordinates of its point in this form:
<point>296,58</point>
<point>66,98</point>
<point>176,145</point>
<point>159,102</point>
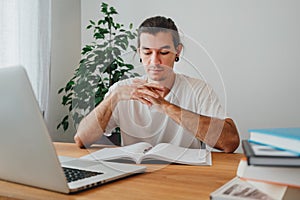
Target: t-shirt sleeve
<point>210,104</point>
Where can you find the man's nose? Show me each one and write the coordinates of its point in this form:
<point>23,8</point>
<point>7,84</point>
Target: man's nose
<point>155,60</point>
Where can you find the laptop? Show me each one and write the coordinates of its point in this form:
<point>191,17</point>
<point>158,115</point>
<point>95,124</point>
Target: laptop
<point>27,154</point>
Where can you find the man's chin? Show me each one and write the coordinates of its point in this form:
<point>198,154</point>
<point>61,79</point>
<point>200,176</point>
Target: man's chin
<point>155,78</point>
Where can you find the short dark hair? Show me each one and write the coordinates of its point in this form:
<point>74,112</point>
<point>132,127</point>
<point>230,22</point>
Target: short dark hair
<point>157,24</point>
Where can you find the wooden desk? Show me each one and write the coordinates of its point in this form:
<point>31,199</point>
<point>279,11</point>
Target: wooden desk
<point>171,182</point>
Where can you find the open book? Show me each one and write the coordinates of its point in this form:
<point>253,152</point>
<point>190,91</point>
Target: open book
<point>142,152</point>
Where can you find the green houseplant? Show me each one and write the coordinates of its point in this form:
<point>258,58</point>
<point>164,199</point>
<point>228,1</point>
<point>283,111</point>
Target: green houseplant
<point>100,67</point>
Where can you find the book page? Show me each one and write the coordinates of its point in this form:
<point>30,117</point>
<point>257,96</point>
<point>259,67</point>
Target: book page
<point>133,152</point>
<point>273,190</point>
<point>239,190</point>
<point>275,175</point>
<point>270,151</point>
<point>172,153</point>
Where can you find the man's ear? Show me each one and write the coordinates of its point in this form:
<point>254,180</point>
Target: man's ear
<point>179,49</point>
<point>138,51</point>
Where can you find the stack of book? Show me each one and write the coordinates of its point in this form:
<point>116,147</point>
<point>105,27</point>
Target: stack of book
<point>270,168</point>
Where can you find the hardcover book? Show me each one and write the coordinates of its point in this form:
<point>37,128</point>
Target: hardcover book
<point>145,152</point>
<point>288,176</point>
<point>237,189</point>
<point>283,138</point>
<point>241,189</point>
<point>265,155</point>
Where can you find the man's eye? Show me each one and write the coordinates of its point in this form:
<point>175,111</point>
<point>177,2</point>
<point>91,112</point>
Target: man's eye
<point>147,52</point>
<point>164,52</point>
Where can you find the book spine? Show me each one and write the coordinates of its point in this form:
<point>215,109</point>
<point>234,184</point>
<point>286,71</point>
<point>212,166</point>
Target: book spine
<point>247,151</point>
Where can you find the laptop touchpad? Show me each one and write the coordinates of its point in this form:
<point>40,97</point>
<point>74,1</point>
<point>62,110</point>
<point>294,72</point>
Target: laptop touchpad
<point>79,163</point>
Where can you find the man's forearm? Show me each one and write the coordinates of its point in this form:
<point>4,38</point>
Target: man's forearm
<point>218,133</point>
<point>92,127</point>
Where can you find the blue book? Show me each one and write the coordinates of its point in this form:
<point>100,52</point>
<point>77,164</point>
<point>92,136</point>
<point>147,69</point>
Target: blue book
<point>281,138</point>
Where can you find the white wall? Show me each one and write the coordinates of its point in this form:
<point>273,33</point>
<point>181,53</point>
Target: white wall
<point>254,46</point>
<point>65,55</point>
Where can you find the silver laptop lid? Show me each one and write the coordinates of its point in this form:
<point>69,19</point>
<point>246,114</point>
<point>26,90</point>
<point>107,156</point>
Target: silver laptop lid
<point>26,153</point>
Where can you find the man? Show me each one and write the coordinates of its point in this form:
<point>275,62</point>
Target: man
<point>161,106</point>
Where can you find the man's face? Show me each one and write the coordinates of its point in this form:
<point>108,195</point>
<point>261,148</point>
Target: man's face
<point>158,55</point>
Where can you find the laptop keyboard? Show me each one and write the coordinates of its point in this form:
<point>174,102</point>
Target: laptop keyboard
<point>77,174</point>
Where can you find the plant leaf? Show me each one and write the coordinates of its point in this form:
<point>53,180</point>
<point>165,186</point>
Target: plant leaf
<point>100,67</point>
<point>60,90</point>
<point>92,22</point>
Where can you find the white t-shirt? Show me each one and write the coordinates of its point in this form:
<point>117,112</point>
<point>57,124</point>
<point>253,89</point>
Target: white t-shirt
<point>139,123</point>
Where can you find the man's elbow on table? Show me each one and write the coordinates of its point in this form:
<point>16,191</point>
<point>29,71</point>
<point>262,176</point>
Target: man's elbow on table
<point>232,140</point>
